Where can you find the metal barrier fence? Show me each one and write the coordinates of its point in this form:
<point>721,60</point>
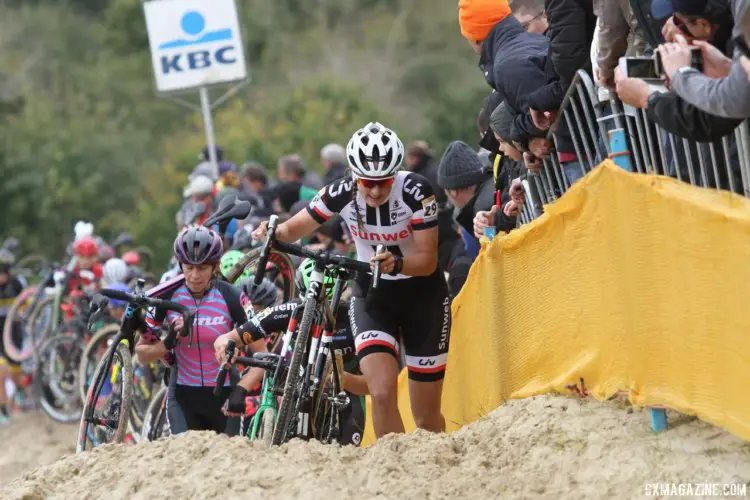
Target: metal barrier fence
<point>611,129</point>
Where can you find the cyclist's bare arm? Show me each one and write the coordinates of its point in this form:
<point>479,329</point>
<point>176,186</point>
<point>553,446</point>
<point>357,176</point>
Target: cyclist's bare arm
<point>150,350</point>
<point>424,259</point>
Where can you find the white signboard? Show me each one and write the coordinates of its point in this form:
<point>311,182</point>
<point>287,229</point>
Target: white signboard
<point>194,43</point>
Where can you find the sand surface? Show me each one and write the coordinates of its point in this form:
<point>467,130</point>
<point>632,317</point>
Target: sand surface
<point>31,440</point>
<point>547,446</point>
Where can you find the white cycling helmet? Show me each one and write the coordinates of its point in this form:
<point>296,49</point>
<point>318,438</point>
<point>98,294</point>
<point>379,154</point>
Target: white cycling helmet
<point>374,152</point>
<point>115,271</point>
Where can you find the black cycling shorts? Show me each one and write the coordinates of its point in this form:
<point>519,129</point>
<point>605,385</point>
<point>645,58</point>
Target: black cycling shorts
<point>415,310</point>
<point>197,409</point>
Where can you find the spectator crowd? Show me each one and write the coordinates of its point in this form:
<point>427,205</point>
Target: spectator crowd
<point>529,53</point>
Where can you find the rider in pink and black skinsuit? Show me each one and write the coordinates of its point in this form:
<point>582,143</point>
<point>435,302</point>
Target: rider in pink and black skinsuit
<point>218,307</point>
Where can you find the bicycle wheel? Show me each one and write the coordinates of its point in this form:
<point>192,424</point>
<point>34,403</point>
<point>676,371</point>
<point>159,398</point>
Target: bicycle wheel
<point>283,263</point>
<point>31,267</point>
<point>56,377</point>
<point>143,388</point>
<point>109,417</point>
<point>155,423</point>
<point>92,354</point>
<point>265,429</point>
<point>323,411</point>
<point>293,379</point>
<point>40,323</point>
<point>18,313</point>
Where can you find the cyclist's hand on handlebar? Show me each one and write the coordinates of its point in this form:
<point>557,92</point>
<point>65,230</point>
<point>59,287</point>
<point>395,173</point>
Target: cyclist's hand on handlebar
<point>236,403</point>
<point>220,348</point>
<point>178,323</point>
<point>387,262</point>
<point>259,233</point>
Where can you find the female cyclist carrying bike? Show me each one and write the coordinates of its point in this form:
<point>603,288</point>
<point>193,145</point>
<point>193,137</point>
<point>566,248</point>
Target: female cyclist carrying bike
<point>382,205</point>
<point>218,307</point>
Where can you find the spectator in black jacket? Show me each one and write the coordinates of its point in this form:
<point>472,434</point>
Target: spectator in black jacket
<point>503,217</point>
<point>571,31</point>
<point>419,160</point>
<point>667,109</point>
<point>672,112</point>
<point>468,185</point>
<point>514,64</point>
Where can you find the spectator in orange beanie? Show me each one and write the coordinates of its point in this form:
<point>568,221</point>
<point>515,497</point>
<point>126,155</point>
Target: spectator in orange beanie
<point>513,61</point>
<point>477,18</point>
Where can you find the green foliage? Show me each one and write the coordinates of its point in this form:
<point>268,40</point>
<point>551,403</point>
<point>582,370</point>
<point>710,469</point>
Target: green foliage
<point>85,137</point>
<point>453,116</point>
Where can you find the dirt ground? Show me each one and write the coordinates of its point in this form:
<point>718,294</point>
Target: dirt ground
<point>547,446</point>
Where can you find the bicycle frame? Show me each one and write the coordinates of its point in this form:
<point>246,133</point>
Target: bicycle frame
<point>267,403</point>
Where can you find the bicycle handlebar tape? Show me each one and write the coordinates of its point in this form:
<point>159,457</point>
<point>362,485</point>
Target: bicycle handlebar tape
<point>222,375</point>
<point>116,294</point>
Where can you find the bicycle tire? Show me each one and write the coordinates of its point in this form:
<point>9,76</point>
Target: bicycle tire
<point>289,399</point>
<point>150,430</point>
<point>318,419</point>
<point>38,337</point>
<point>280,259</point>
<point>40,260</point>
<point>102,370</point>
<point>265,430</point>
<point>16,314</point>
<point>137,417</point>
<point>50,408</point>
<point>85,368</point>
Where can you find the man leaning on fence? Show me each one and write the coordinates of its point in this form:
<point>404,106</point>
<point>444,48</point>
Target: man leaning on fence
<point>514,63</point>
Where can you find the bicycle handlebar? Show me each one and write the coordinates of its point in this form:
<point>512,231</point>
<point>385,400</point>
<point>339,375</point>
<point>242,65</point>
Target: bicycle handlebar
<point>320,256</point>
<point>221,377</point>
<point>142,300</point>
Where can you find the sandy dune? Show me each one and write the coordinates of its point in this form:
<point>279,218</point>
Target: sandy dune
<point>548,446</point>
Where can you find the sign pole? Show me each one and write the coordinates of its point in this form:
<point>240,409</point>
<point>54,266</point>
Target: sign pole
<point>208,123</point>
<point>196,44</point>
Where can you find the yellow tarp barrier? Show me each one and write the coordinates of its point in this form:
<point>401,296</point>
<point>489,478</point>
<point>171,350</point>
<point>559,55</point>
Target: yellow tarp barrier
<point>631,282</point>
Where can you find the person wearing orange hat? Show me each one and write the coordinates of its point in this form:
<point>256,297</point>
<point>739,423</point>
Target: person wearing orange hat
<point>477,18</point>
<point>516,64</point>
<point>513,60</point>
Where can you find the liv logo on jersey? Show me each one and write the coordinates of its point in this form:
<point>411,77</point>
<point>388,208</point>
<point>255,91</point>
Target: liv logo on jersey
<point>193,25</point>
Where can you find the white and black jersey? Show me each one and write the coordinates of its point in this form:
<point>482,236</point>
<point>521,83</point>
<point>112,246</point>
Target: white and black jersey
<point>410,207</point>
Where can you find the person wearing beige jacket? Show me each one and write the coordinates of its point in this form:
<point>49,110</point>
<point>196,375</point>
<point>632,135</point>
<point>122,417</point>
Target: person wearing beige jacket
<point>619,35</point>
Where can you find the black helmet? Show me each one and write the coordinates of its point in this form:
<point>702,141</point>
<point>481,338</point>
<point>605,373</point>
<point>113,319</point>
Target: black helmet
<point>198,245</point>
<point>263,295</point>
